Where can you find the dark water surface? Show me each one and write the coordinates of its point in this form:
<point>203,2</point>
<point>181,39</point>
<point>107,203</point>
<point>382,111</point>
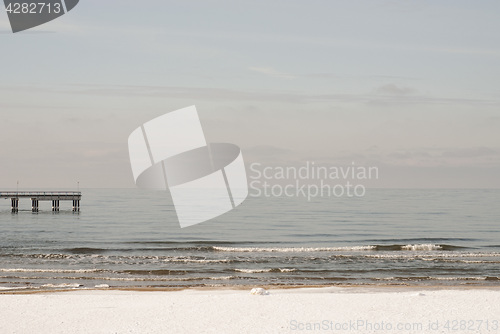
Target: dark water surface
<point>132,238</point>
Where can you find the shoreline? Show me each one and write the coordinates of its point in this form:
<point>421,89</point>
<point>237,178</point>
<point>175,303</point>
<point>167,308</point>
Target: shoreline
<point>318,288</point>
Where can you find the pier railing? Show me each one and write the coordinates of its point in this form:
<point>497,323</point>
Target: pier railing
<point>33,194</point>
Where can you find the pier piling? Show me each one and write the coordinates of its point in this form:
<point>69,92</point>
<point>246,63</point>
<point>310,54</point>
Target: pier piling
<point>34,205</point>
<point>15,205</point>
<point>76,205</point>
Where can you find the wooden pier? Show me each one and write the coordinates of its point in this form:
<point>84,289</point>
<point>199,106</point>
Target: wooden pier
<point>37,196</point>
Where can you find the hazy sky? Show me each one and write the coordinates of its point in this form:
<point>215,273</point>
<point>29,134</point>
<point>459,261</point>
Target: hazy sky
<point>412,87</point>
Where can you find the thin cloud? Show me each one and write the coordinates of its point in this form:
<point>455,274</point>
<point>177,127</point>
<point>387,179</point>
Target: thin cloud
<point>393,89</point>
<point>474,156</point>
<point>272,72</point>
<point>223,94</point>
<point>267,150</point>
<point>418,157</point>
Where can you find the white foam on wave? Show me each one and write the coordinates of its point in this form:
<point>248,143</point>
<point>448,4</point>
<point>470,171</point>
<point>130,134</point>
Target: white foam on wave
<point>292,249</point>
<point>455,260</point>
<point>50,256</point>
<point>66,271</point>
<point>164,279</point>
<point>258,271</point>
<point>427,257</point>
<point>196,261</point>
<point>433,278</point>
<point>472,278</point>
<point>422,247</point>
<point>4,288</point>
<point>62,285</point>
<point>253,271</point>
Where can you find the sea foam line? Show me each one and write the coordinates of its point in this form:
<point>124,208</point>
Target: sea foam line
<point>292,249</point>
<point>422,247</point>
<point>416,247</point>
<point>258,271</point>
<point>70,271</point>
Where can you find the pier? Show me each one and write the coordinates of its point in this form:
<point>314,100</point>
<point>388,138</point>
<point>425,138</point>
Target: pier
<point>37,196</point>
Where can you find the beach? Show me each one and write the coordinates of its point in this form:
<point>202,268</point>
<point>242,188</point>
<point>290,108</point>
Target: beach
<point>304,310</point>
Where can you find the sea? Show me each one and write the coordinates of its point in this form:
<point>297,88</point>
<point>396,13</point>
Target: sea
<point>130,238</point>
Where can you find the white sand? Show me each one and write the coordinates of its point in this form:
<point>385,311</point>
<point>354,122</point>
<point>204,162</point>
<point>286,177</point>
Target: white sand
<point>237,311</point>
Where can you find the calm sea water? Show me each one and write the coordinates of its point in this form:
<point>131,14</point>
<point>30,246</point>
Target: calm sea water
<point>132,238</point>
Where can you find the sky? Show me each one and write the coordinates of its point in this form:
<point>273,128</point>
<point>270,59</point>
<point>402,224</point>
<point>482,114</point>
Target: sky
<point>412,87</point>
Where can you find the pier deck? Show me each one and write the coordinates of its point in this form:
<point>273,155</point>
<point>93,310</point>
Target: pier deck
<point>37,196</point>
